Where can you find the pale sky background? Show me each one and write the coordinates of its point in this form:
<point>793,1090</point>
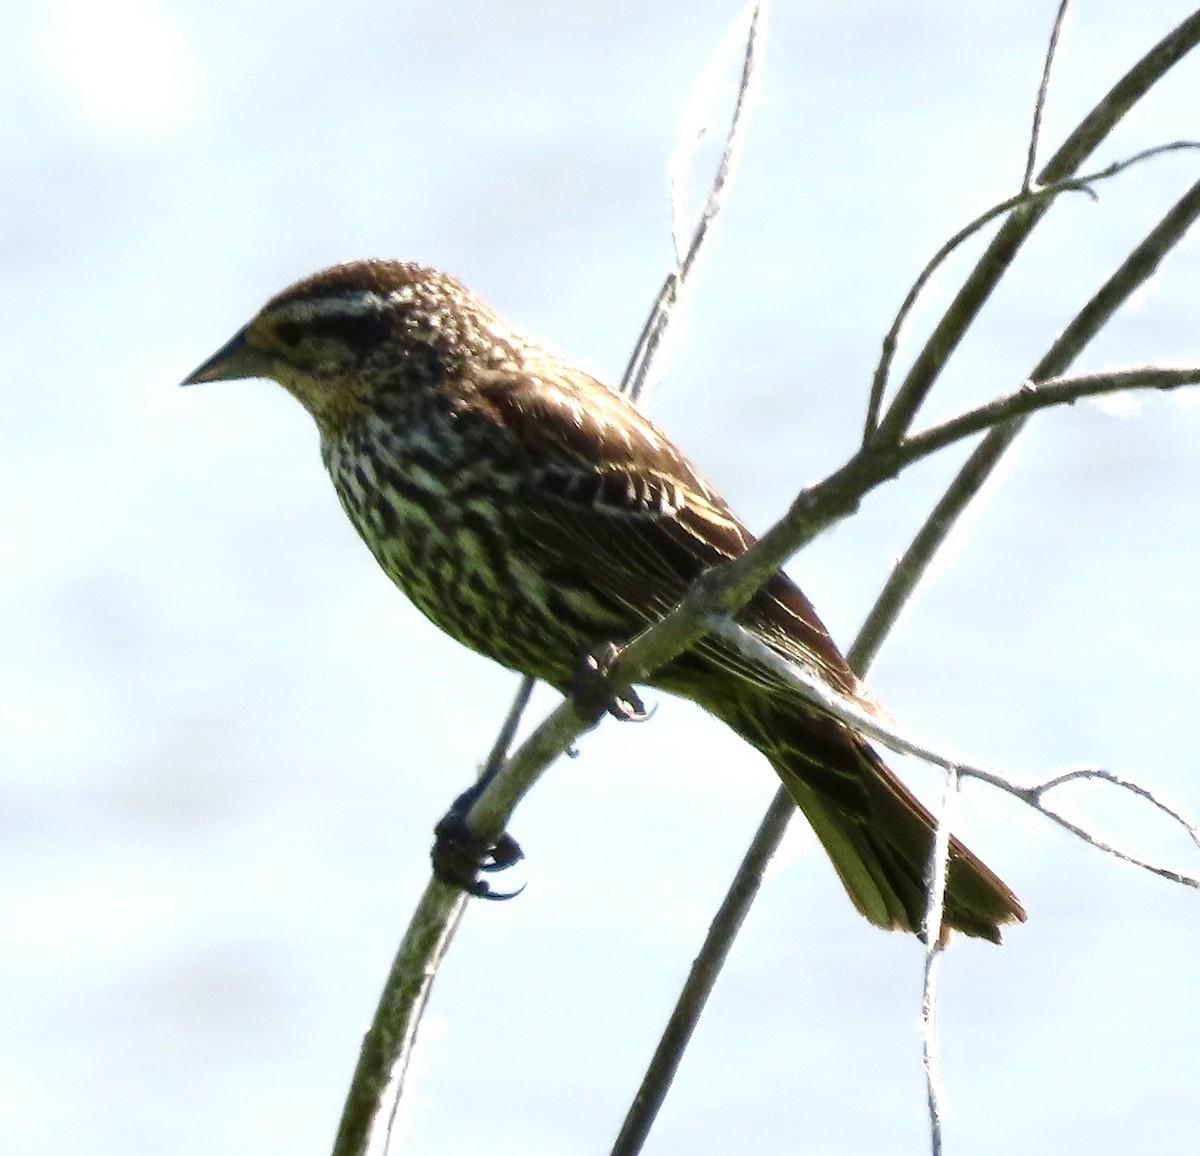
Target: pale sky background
<point>224,737</point>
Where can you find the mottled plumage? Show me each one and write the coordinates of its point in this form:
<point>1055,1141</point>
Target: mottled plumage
<point>533,514</point>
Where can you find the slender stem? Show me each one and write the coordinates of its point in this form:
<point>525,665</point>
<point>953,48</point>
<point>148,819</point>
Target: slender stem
<point>929,1045</point>
<point>637,371</point>
<point>934,944</point>
<point>1035,395</point>
<point>663,310</point>
<point>1039,106</point>
<point>1043,193</point>
<point>1004,247</point>
<point>717,944</point>
<point>508,729</point>
<point>388,1043</point>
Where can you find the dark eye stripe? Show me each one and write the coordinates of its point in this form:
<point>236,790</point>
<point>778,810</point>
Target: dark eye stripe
<point>356,331</point>
<point>289,332</point>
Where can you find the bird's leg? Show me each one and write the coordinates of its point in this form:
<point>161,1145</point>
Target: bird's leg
<point>592,694</point>
<point>458,854</point>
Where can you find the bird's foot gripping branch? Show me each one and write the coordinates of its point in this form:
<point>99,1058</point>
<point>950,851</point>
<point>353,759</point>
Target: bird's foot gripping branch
<point>595,696</point>
<point>459,854</point>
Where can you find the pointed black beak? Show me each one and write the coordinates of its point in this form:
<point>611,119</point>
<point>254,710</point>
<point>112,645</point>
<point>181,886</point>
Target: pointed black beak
<point>234,360</point>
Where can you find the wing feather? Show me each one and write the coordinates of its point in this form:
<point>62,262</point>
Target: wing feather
<point>612,503</point>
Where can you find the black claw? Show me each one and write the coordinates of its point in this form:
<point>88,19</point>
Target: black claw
<point>593,696</point>
<point>503,855</point>
<point>458,854</point>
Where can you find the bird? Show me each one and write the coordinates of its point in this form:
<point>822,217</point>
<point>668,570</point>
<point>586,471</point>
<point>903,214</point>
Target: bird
<point>535,514</point>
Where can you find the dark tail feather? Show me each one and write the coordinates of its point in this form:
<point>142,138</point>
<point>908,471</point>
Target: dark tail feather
<point>875,830</point>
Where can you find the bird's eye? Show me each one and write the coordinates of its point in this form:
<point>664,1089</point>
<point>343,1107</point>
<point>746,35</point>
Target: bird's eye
<point>332,336</point>
<point>359,332</point>
<point>289,332</point>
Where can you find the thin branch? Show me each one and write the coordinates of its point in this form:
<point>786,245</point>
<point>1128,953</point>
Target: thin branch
<point>1039,105</point>
<point>1083,183</point>
<point>703,975</point>
<point>929,1044</point>
<point>508,729</point>
<point>1033,396</point>
<point>388,1043</point>
<point>697,122</point>
<point>662,312</point>
<point>718,941</point>
<point>934,944</point>
<point>886,732</point>
<point>1125,784</point>
<point>891,340</point>
<point>744,38</point>
<point>1034,795</point>
<point>1003,248</point>
<point>936,906</point>
<point>1027,196</point>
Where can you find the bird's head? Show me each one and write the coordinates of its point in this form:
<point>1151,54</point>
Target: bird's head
<point>340,338</point>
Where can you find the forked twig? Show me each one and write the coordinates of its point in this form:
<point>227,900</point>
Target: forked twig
<point>1026,197</point>
<point>746,34</point>
<point>1004,246</point>
<point>1039,105</point>
<point>889,734</point>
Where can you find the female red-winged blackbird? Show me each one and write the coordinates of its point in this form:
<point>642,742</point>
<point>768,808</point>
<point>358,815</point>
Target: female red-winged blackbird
<point>534,514</point>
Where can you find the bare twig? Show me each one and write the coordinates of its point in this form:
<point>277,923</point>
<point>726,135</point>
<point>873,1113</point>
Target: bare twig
<point>662,312</point>
<point>929,1044</point>
<point>1035,395</point>
<point>704,971</point>
<point>1027,196</point>
<point>934,943</point>
<point>748,28</point>
<point>508,729</point>
<point>1039,105</point>
<point>1035,794</point>
<point>1003,248</point>
<point>388,1043</point>
<point>886,732</point>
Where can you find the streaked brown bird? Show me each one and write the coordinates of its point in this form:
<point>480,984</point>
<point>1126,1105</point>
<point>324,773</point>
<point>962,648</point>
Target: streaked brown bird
<point>534,515</point>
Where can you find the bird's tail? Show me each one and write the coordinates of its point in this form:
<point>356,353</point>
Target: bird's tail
<point>875,830</point>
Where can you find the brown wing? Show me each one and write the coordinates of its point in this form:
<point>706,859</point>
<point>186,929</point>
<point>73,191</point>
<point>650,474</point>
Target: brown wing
<point>614,501</point>
<point>614,506</point>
